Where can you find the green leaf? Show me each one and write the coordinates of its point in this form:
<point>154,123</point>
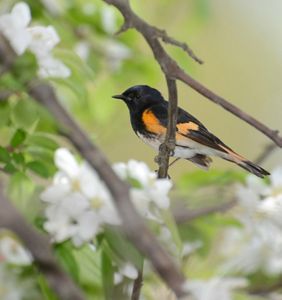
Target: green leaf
<point>24,113</point>
<point>43,140</point>
<point>25,67</point>
<point>21,189</point>
<point>10,168</point>
<point>18,138</point>
<point>172,227</point>
<point>4,155</point>
<point>122,247</point>
<point>45,290</point>
<point>193,180</point>
<point>38,168</point>
<point>89,262</point>
<point>4,113</point>
<point>134,183</point>
<point>18,158</point>
<point>64,253</point>
<point>107,276</point>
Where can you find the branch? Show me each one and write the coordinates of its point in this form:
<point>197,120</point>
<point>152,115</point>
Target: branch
<point>170,68</point>
<point>268,150</point>
<point>40,248</point>
<point>7,55</point>
<point>133,225</point>
<point>169,40</point>
<point>168,146</point>
<point>185,215</point>
<point>137,285</point>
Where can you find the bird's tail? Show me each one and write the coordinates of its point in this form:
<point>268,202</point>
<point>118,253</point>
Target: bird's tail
<point>253,168</point>
<point>245,164</point>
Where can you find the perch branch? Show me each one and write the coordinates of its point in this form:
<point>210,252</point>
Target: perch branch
<point>186,215</point>
<point>268,150</point>
<point>168,146</point>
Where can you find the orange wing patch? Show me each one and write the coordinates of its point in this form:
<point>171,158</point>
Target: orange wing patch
<point>151,122</point>
<point>184,128</point>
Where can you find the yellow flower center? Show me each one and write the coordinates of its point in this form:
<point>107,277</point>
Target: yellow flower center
<point>75,185</point>
<point>277,191</point>
<point>96,203</point>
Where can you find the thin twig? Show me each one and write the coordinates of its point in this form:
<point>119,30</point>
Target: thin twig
<point>168,146</point>
<point>138,282</point>
<point>39,246</point>
<point>268,150</point>
<point>133,225</point>
<point>169,40</point>
<point>186,215</point>
<point>170,67</point>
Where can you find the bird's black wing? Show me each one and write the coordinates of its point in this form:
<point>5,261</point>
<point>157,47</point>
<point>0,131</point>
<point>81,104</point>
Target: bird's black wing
<point>190,127</point>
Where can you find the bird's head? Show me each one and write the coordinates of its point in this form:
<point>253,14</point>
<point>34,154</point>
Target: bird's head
<point>140,96</point>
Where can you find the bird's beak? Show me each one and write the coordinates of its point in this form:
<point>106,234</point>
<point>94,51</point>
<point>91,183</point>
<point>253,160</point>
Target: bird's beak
<point>122,97</point>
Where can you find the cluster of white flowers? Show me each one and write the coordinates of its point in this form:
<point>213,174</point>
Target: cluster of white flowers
<point>12,286</point>
<point>79,202</point>
<point>257,244</point>
<point>40,40</point>
<point>214,288</point>
<point>148,193</point>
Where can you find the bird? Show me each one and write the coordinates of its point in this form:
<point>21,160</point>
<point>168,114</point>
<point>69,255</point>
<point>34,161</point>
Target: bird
<point>193,141</point>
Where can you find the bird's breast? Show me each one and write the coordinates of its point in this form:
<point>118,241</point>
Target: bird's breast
<point>151,140</point>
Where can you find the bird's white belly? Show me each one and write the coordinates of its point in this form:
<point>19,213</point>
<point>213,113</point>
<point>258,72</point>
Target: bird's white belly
<point>181,152</point>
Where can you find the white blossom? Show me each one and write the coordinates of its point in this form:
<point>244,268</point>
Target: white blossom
<point>72,218</point>
<point>82,49</point>
<point>14,26</point>
<point>116,53</point>
<point>52,67</point>
<point>13,287</point>
<point>11,251</point>
<point>190,247</point>
<point>40,40</point>
<point>257,245</point>
<point>108,19</point>
<point>148,193</point>
<point>127,270</point>
<point>78,201</point>
<point>44,39</point>
<point>215,288</point>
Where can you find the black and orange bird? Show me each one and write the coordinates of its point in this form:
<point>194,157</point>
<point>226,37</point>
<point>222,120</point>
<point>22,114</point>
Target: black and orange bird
<point>194,142</point>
